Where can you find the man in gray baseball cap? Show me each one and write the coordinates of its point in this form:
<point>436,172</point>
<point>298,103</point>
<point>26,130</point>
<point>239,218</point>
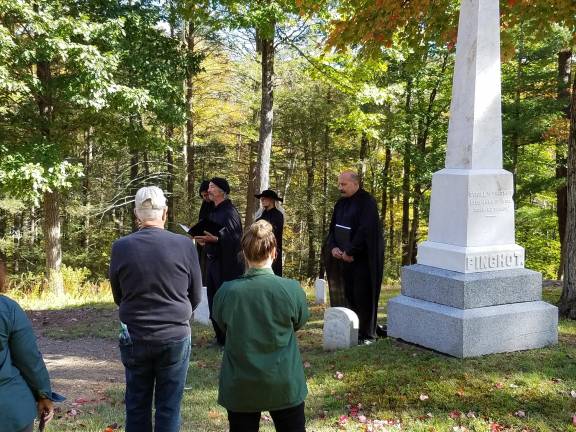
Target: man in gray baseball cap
<point>156,281</point>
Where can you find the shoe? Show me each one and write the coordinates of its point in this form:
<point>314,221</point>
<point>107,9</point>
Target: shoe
<point>382,331</point>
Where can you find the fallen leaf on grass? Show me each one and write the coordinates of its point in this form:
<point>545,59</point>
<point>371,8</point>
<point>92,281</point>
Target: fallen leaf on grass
<point>513,386</point>
<point>496,427</point>
<point>307,365</point>
<point>338,375</point>
<point>471,414</point>
<point>460,393</point>
<point>72,412</point>
<point>573,393</point>
<point>424,397</point>
<point>520,414</point>
<point>455,414</point>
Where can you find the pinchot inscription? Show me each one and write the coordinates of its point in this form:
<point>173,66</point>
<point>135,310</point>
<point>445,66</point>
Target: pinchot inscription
<point>490,202</point>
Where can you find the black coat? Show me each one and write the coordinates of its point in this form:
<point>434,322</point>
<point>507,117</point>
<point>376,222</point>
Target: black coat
<point>227,250</point>
<point>276,219</point>
<point>205,209</point>
<point>360,281</point>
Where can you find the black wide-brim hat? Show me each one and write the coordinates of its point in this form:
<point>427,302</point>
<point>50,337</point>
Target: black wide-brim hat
<point>269,193</point>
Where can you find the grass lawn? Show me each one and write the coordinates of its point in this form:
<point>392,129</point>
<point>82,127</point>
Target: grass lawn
<point>387,386</point>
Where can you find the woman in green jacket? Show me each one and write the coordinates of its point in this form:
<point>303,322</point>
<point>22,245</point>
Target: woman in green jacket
<point>261,366</point>
<point>24,381</point>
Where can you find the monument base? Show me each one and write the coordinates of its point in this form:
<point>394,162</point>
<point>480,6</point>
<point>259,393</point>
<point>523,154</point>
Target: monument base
<point>473,332</point>
<point>470,259</point>
<point>471,290</point>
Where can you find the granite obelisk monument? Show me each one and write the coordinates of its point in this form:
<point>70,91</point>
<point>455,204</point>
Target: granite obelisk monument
<point>470,294</point>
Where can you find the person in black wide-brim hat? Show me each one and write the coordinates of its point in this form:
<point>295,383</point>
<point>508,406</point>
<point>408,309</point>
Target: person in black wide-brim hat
<point>272,212</point>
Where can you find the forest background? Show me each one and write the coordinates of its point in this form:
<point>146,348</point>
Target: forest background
<point>101,97</point>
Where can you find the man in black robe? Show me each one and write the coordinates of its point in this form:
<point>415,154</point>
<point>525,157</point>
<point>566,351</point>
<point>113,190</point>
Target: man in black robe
<point>223,258</point>
<point>205,210</point>
<point>272,214</point>
<point>355,250</point>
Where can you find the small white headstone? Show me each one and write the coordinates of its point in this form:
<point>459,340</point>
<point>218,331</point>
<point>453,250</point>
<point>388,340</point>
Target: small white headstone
<point>202,313</point>
<point>320,289</point>
<point>340,328</point>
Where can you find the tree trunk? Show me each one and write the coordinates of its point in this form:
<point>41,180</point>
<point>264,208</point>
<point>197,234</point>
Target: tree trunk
<point>52,243</point>
<point>251,202</point>
<point>391,236</point>
<point>324,219</point>
<point>567,305</point>
<point>190,144</point>
<point>266,113</point>
<point>563,95</point>
<point>134,162</point>
<point>310,160</point>
<point>363,158</point>
<point>87,186</point>
<point>516,134</point>
<point>385,182</point>
<point>170,177</point>
<point>406,184</point>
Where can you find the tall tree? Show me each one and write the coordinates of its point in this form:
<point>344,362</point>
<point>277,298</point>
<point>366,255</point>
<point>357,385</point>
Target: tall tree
<point>567,305</point>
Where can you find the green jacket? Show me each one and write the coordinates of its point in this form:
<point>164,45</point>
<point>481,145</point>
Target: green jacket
<point>261,366</point>
<point>23,374</point>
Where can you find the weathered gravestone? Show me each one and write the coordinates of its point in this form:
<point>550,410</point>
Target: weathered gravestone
<point>340,328</point>
<point>320,290</point>
<point>470,294</point>
<point>202,313</point>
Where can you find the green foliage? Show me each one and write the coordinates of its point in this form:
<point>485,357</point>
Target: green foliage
<point>537,232</point>
<point>110,115</point>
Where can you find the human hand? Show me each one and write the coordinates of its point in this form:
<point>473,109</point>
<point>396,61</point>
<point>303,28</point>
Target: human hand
<point>45,410</point>
<point>337,253</point>
<point>347,258</point>
<point>206,238</point>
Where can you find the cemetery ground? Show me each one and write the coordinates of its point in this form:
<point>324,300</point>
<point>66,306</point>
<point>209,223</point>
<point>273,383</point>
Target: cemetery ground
<point>387,386</point>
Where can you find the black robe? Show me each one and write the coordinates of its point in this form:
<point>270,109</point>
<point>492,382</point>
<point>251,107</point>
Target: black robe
<point>360,280</point>
<point>205,209</point>
<point>223,258</point>
<point>276,219</point>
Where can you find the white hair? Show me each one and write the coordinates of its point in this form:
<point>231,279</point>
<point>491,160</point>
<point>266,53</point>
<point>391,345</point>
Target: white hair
<point>149,203</point>
<point>146,215</point>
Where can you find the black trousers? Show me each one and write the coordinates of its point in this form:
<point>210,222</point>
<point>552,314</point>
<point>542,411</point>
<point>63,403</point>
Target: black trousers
<point>360,296</point>
<point>286,420</point>
<point>213,282</point>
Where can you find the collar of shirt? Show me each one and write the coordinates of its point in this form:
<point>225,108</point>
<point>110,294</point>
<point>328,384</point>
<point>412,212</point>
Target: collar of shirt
<point>258,271</point>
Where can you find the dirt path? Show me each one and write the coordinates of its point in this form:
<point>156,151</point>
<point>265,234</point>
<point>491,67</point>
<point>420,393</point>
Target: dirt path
<point>83,368</point>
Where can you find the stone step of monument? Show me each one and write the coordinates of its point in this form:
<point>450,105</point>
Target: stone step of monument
<point>471,290</point>
<point>473,332</point>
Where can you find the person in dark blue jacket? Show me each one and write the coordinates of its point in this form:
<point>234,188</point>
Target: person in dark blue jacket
<point>24,382</point>
<point>155,279</point>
